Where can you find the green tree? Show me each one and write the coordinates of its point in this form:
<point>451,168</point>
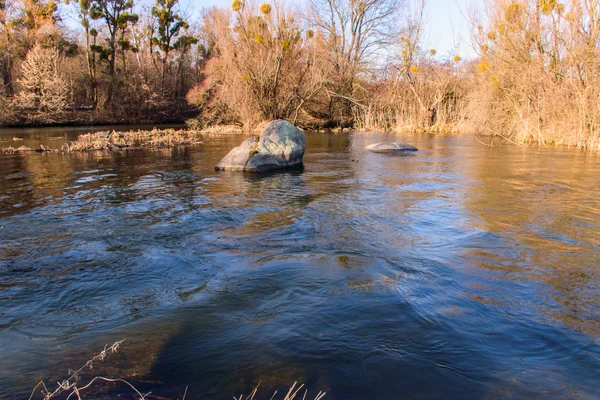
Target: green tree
<point>169,25</point>
<point>117,16</point>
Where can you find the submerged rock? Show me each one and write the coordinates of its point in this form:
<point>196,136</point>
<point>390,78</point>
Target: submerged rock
<point>280,145</point>
<point>390,147</point>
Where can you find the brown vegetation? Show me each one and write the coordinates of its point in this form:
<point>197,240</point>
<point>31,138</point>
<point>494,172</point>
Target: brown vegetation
<point>331,64</point>
<point>124,67</point>
<point>292,393</point>
<point>121,141</point>
<point>537,78</point>
<point>73,387</point>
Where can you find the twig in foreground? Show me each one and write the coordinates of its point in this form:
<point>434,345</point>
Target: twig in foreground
<point>70,384</point>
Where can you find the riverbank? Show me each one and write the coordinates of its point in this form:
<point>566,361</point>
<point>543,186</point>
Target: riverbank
<point>137,137</point>
<point>489,138</point>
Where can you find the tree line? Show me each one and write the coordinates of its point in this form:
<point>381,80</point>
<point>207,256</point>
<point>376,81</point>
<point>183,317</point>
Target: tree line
<point>358,64</point>
<point>122,64</point>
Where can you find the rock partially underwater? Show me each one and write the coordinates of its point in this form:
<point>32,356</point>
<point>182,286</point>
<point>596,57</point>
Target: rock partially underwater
<point>280,145</point>
<point>391,147</point>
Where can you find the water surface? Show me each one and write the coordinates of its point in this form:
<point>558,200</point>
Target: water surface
<point>461,271</point>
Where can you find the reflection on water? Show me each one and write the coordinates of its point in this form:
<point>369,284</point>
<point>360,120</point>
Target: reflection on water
<point>460,271</point>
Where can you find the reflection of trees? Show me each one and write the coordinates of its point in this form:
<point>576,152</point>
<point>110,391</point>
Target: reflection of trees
<point>14,186</point>
<point>33,180</point>
<point>327,143</point>
<point>540,214</point>
<point>153,174</point>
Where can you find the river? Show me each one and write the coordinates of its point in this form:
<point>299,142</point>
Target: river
<point>462,271</point>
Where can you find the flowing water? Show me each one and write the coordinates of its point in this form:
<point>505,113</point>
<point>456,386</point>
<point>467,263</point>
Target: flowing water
<point>462,271</point>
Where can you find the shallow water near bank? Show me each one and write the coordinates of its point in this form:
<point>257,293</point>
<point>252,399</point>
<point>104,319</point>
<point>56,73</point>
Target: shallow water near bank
<point>460,271</point>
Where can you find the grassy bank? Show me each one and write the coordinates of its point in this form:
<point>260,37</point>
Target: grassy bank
<point>120,141</point>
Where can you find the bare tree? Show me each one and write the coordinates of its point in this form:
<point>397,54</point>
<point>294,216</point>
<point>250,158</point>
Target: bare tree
<point>353,32</point>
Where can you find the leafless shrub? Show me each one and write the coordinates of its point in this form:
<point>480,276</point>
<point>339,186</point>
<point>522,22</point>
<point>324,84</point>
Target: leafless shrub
<point>538,76</point>
<point>44,88</point>
<point>416,90</point>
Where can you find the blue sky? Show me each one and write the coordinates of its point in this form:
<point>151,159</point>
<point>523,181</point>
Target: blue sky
<point>447,28</point>
<point>446,31</point>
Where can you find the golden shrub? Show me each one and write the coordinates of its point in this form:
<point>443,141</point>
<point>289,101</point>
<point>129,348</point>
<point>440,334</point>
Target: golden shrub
<point>237,5</point>
<point>513,12</point>
<point>483,66</point>
<point>265,8</point>
<point>548,6</point>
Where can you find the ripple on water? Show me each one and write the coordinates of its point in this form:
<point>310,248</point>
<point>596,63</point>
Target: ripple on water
<point>364,275</point>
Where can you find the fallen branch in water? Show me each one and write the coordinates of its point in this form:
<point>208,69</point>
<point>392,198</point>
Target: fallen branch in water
<point>120,141</point>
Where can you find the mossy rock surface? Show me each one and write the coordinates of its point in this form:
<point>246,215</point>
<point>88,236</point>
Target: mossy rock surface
<point>279,146</point>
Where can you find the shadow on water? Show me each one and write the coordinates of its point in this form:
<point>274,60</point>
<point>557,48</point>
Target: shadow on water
<point>459,272</point>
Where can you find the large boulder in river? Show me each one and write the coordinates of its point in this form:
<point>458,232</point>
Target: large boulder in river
<point>280,145</point>
<point>391,147</point>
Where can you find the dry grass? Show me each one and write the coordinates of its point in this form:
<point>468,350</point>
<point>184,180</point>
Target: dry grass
<point>117,141</point>
<point>223,130</point>
<point>73,388</point>
<point>291,394</point>
<point>20,149</point>
<point>120,141</point>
